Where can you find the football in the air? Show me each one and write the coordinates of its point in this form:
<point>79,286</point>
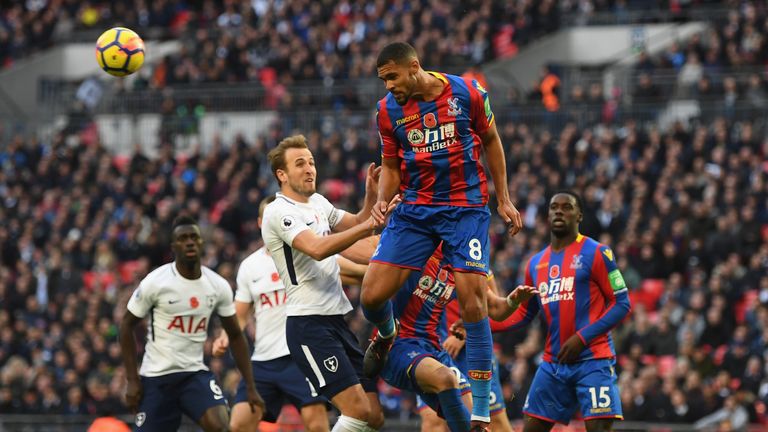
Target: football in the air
<point>120,51</point>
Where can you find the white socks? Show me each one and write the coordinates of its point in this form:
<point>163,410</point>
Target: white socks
<point>350,424</point>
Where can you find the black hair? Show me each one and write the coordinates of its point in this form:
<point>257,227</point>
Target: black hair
<point>398,52</point>
<point>575,196</point>
<point>183,220</point>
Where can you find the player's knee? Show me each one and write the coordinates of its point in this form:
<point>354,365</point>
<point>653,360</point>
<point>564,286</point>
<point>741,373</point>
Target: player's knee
<point>316,425</point>
<point>360,410</point>
<point>599,425</point>
<point>244,425</point>
<point>445,379</point>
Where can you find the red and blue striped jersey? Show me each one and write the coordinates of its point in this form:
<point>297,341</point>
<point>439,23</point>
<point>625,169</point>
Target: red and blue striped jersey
<point>420,303</point>
<point>438,143</point>
<point>581,291</point>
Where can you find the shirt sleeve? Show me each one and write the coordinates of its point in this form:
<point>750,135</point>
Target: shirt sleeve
<point>142,300</point>
<point>482,115</point>
<point>333,214</point>
<point>243,291</point>
<point>287,223</point>
<point>607,276</point>
<point>389,146</point>
<point>225,306</point>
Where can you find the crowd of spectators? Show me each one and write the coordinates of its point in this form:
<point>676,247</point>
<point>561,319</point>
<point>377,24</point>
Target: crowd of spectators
<point>256,40</point>
<point>684,208</point>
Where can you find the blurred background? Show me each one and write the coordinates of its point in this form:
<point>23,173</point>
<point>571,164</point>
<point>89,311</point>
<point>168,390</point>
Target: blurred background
<point>653,110</point>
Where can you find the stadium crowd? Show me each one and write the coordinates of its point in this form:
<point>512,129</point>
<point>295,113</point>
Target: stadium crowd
<point>230,40</point>
<point>685,210</point>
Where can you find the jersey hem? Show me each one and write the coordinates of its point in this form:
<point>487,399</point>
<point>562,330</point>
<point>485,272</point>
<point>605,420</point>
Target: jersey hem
<point>615,417</point>
<point>395,265</point>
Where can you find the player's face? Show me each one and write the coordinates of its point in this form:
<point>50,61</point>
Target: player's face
<point>187,243</point>
<point>399,79</point>
<point>564,215</point>
<point>300,173</point>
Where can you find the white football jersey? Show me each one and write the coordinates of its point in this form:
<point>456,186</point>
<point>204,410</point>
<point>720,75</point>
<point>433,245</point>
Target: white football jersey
<point>179,312</point>
<point>313,287</point>
<point>258,282</point>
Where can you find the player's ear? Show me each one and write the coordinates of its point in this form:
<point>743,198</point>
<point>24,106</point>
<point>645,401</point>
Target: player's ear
<point>282,176</point>
<point>414,65</point>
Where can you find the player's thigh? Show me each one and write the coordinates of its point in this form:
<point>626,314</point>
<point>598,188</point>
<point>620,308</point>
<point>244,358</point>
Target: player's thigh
<point>381,282</point>
<point>551,397</point>
<point>318,347</point>
<point>408,239</point>
<point>466,245</point>
<point>315,417</point>
<point>203,401</point>
<point>597,390</point>
<point>286,376</point>
<point>158,409</point>
<point>243,420</point>
<point>430,421</point>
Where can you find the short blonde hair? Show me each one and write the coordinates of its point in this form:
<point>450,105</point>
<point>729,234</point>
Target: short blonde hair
<point>276,156</point>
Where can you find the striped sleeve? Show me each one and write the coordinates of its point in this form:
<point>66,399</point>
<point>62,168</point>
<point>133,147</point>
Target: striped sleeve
<point>386,134</point>
<point>607,276</point>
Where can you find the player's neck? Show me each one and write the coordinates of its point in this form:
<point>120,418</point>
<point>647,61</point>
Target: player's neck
<point>188,269</point>
<point>429,87</point>
<point>559,243</point>
<point>290,193</point>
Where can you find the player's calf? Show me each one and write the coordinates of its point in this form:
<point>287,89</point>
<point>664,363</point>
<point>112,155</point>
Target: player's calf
<point>243,420</point>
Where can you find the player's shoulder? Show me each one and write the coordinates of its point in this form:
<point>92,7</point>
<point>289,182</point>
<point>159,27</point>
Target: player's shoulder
<point>214,277</point>
<point>158,275</point>
<point>535,259</point>
<point>316,198</point>
<point>256,260</point>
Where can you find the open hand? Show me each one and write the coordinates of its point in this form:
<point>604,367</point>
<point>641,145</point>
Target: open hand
<point>521,294</point>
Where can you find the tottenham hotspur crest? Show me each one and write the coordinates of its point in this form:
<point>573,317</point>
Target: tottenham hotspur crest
<point>331,363</point>
<point>453,107</point>
<point>140,418</point>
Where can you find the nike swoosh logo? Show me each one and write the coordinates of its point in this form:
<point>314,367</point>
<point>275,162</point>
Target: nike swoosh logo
<point>173,301</point>
<point>309,223</point>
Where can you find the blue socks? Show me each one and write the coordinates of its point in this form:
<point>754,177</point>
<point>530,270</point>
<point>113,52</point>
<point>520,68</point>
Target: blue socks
<point>453,410</point>
<point>479,364</point>
<point>382,318</point>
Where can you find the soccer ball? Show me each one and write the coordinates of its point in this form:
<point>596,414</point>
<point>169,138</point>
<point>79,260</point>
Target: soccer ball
<point>120,51</point>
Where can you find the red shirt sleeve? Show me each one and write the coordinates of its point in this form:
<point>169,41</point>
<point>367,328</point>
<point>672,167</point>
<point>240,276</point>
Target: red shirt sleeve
<point>389,146</point>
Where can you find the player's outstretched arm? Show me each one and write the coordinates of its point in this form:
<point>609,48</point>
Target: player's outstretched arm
<point>221,343</point>
<point>320,248</point>
<point>133,391</point>
<point>494,156</point>
<point>501,308</point>
<point>240,352</point>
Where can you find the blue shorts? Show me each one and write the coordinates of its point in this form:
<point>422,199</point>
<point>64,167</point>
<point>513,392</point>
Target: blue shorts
<point>414,231</point>
<point>278,380</point>
<point>167,397</point>
<point>327,353</point>
<point>496,397</point>
<point>405,355</point>
<point>559,389</point>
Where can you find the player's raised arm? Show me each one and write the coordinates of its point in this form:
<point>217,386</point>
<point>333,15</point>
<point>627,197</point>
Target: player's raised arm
<point>500,308</point>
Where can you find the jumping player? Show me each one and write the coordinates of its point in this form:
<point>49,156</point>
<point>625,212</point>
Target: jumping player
<point>433,129</point>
